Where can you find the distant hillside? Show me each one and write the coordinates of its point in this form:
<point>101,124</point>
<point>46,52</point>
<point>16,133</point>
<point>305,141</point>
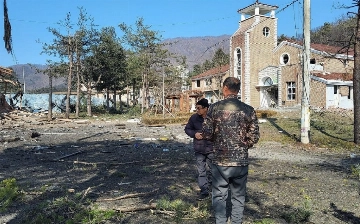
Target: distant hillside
<point>198,49</point>
<point>34,80</point>
<point>195,49</point>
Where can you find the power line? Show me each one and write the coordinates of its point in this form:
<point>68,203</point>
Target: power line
<point>280,10</point>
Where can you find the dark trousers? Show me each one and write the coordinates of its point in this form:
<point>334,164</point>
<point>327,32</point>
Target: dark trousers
<point>203,165</point>
<point>223,179</point>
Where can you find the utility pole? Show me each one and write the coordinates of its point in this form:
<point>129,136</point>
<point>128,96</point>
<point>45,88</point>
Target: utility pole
<point>23,78</point>
<point>305,101</point>
<point>163,92</point>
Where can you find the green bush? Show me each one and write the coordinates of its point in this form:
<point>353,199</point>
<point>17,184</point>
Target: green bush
<point>9,192</point>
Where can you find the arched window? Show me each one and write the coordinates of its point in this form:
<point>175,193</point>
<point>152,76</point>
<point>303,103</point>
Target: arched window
<point>238,67</point>
<point>268,81</point>
<point>266,31</point>
<point>238,62</point>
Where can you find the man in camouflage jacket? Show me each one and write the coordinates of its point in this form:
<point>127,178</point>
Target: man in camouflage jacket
<point>233,127</point>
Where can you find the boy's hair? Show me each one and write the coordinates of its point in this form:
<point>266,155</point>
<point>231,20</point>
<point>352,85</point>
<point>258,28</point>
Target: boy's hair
<point>203,102</point>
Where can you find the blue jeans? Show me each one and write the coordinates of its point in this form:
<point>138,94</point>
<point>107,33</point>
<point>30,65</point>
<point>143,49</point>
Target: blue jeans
<point>235,178</point>
<point>203,165</point>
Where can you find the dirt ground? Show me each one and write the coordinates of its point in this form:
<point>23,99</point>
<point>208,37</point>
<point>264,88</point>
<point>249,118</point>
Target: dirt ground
<point>107,159</point>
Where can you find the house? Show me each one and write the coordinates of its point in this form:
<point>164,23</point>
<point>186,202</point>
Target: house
<point>271,73</point>
<point>209,82</point>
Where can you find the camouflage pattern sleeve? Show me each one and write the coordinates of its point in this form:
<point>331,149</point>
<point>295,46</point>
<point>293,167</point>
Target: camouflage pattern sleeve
<point>253,130</point>
<point>208,125</point>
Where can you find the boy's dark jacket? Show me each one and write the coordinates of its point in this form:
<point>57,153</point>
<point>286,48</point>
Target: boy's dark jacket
<point>193,126</point>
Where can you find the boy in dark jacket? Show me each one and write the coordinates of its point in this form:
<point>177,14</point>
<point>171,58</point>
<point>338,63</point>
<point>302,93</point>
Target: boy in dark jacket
<point>203,148</point>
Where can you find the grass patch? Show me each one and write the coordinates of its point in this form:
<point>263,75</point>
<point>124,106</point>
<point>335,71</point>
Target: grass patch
<point>181,210</point>
<point>355,170</point>
<point>296,215</point>
<point>265,113</point>
<point>159,119</point>
<point>265,221</point>
<point>332,130</point>
<point>9,193</point>
<point>69,209</point>
<point>299,215</point>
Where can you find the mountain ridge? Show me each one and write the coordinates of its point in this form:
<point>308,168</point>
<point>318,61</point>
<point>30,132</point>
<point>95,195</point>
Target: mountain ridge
<point>196,50</point>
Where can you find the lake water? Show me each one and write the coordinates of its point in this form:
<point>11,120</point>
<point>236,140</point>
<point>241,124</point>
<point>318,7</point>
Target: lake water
<point>40,102</point>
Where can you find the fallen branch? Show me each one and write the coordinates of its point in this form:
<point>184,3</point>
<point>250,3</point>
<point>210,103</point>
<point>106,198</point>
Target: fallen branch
<point>134,209</point>
<point>128,196</point>
<point>69,155</point>
<point>9,139</point>
<point>85,193</point>
<point>56,133</point>
<point>112,164</point>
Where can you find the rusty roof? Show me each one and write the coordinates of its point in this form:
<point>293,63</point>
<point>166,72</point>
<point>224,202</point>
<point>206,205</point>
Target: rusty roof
<point>324,47</point>
<point>212,72</point>
<point>332,49</point>
<point>334,76</point>
<point>6,71</point>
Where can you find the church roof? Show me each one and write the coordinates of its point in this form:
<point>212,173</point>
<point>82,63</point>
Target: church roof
<point>263,8</point>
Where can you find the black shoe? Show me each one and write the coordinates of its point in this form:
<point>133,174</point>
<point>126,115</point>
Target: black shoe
<point>202,197</point>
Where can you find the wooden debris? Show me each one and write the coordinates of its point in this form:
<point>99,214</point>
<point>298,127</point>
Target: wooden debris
<point>85,193</point>
<point>134,209</point>
<point>81,121</point>
<point>112,164</point>
<point>65,120</point>
<point>129,196</point>
<point>69,155</point>
<point>9,139</point>
<point>35,134</point>
<point>156,126</point>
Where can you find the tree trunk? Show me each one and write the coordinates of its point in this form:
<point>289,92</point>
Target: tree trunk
<point>50,99</point>
<point>67,112</point>
<point>143,98</point>
<point>114,99</point>
<point>107,99</point>
<point>88,101</point>
<point>77,85</point>
<point>356,82</point>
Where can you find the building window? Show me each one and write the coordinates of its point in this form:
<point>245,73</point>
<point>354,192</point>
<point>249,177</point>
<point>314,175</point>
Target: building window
<point>336,89</point>
<point>238,62</point>
<point>313,61</point>
<point>268,82</point>
<point>208,82</point>
<point>291,88</point>
<point>197,83</point>
<point>284,59</point>
<point>266,31</point>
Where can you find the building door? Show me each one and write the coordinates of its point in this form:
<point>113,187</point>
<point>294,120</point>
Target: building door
<point>268,94</point>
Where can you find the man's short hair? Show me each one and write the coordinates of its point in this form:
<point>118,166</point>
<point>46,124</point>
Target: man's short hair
<point>232,83</point>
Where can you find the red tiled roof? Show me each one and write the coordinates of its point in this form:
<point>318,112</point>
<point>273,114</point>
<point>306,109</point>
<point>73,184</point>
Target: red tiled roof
<point>332,49</point>
<point>212,72</point>
<point>334,76</point>
<point>326,48</point>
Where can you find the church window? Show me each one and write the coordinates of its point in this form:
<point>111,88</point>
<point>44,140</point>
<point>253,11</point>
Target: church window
<point>266,31</point>
<point>284,59</point>
<point>238,62</point>
<point>291,88</point>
